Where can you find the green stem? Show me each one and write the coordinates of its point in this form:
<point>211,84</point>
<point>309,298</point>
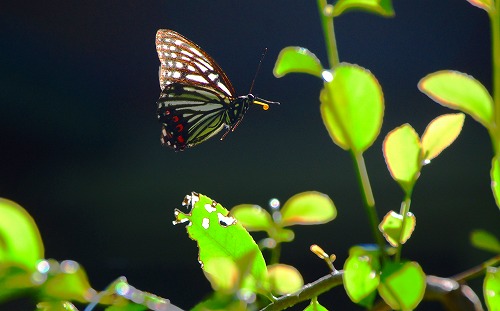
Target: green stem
<point>405,208</point>
<point>325,13</point>
<point>495,54</point>
<point>477,270</point>
<point>275,254</point>
<point>369,201</point>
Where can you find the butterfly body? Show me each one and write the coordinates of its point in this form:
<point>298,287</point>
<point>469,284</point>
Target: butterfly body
<point>197,99</point>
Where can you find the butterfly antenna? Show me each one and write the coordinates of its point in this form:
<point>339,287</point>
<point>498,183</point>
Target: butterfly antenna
<point>258,69</point>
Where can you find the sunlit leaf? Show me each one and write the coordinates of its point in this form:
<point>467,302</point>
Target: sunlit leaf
<point>55,306</point>
<point>65,281</point>
<point>495,179</point>
<point>14,279</point>
<point>391,227</point>
<point>403,154</point>
<point>315,306</point>
<point>402,285</point>
<point>460,91</point>
<point>486,5</point>
<point>284,279</point>
<point>308,208</point>
<point>220,235</point>
<point>223,274</point>
<point>352,107</point>
<point>361,275</point>
<point>252,217</point>
<point>440,133</point>
<point>382,7</point>
<point>294,59</point>
<point>220,303</point>
<point>20,240</point>
<point>485,241</point>
<point>491,289</point>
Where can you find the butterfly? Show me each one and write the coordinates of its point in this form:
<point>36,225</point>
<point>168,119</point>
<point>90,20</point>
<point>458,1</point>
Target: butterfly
<point>197,100</point>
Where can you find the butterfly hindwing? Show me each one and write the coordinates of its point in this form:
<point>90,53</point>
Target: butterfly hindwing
<point>190,115</point>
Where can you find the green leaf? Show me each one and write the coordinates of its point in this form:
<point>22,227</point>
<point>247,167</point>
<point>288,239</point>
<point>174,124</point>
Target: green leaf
<point>55,306</point>
<point>64,281</point>
<point>491,289</point>
<point>14,280</point>
<point>252,217</point>
<point>440,133</point>
<point>294,59</point>
<point>391,227</point>
<point>284,279</point>
<point>226,282</point>
<point>495,179</point>
<point>361,275</point>
<point>308,208</point>
<point>402,285</point>
<point>486,5</point>
<point>382,7</point>
<point>460,91</point>
<point>219,235</point>
<point>352,107</point>
<point>20,240</point>
<point>403,154</point>
<point>315,306</point>
<point>486,241</point>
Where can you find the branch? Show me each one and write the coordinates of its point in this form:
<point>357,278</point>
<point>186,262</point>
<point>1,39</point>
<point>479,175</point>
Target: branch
<point>451,294</point>
<point>307,292</point>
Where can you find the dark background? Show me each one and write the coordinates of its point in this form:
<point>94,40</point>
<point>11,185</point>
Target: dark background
<point>80,150</point>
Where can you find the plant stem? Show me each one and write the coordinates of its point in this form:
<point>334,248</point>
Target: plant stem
<point>404,211</point>
<point>369,201</point>
<point>307,292</point>
<point>275,254</point>
<point>477,270</point>
<point>326,17</point>
<point>495,54</point>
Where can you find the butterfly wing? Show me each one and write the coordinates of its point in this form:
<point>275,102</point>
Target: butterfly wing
<point>190,114</point>
<point>183,61</point>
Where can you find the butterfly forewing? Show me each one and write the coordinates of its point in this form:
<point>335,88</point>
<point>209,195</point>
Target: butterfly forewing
<point>183,61</point>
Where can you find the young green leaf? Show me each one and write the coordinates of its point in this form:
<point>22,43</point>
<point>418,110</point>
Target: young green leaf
<point>20,240</point>
<point>308,208</point>
<point>361,275</point>
<point>495,179</point>
<point>460,91</point>
<point>55,306</point>
<point>220,235</point>
<point>402,285</point>
<point>315,306</point>
<point>65,281</point>
<point>403,153</point>
<point>284,279</point>
<point>440,133</point>
<point>252,217</point>
<point>382,7</point>
<point>491,289</point>
<point>391,227</point>
<point>486,5</point>
<point>352,107</point>
<point>486,241</point>
<point>228,280</point>
<point>295,59</point>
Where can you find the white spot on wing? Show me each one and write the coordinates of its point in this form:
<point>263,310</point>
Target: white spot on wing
<point>197,78</point>
<point>224,88</point>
